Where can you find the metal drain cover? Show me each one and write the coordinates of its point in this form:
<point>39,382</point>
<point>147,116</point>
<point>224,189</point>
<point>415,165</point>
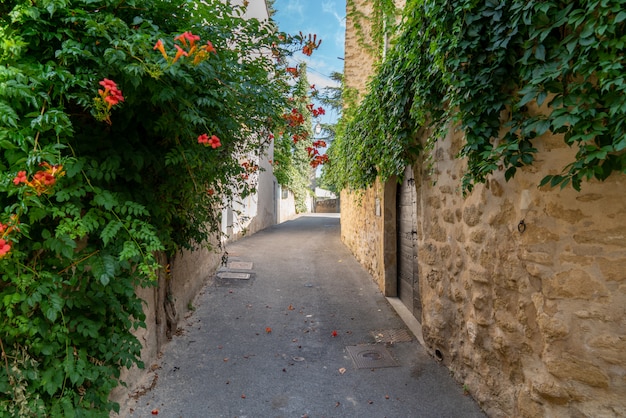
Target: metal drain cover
<point>392,336</point>
<point>371,356</point>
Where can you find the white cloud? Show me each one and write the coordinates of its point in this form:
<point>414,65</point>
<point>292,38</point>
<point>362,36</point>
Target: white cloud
<point>320,81</point>
<point>296,7</point>
<point>330,7</point>
<point>320,67</point>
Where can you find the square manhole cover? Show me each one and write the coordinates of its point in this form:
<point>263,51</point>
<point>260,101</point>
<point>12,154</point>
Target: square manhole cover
<point>240,265</point>
<point>371,356</point>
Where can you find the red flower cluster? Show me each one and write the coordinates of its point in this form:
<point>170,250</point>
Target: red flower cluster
<point>187,36</point>
<point>310,45</point>
<point>5,230</point>
<point>319,160</point>
<point>43,180</point>
<point>293,71</point>
<point>213,142</point>
<point>20,178</point>
<point>311,151</point>
<point>294,118</point>
<point>315,112</point>
<point>315,156</point>
<point>5,247</point>
<point>111,94</point>
<point>187,48</point>
<point>300,136</point>
<point>318,112</point>
<point>249,167</point>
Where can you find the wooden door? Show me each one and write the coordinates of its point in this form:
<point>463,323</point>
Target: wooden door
<point>408,278</point>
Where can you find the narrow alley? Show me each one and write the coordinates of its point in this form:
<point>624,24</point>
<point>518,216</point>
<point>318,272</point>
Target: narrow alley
<point>296,328</point>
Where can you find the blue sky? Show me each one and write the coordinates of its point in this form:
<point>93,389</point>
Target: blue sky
<point>325,18</point>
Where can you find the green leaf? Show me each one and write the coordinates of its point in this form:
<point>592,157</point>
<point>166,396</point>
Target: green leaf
<point>8,116</point>
<point>106,199</point>
<point>109,232</point>
<point>63,245</point>
<point>103,268</point>
<point>540,52</point>
<point>52,306</point>
<point>5,144</point>
<point>509,173</point>
<point>74,167</point>
<point>541,97</point>
<point>52,379</point>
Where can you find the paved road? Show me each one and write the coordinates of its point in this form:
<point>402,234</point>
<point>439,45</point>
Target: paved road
<point>276,345</point>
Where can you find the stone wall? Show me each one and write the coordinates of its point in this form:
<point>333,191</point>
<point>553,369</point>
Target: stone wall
<point>368,229</point>
<point>165,305</point>
<point>530,316</point>
<point>327,206</point>
<point>361,229</point>
<point>358,63</point>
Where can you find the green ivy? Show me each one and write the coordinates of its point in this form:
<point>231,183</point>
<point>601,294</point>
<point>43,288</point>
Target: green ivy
<point>373,27</point>
<point>468,63</point>
<point>91,196</point>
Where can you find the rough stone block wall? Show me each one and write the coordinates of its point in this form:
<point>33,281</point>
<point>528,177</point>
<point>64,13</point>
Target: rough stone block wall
<point>327,206</point>
<point>531,317</point>
<point>362,230</point>
<point>358,63</point>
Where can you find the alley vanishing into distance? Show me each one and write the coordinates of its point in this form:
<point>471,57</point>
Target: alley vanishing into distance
<point>295,327</point>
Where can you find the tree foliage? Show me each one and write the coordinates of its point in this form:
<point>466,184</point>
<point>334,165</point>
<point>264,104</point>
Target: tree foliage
<point>123,126</point>
<point>333,98</point>
<point>480,66</point>
<point>296,152</point>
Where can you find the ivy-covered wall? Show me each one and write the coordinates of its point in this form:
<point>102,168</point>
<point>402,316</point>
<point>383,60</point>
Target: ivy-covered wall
<point>523,287</point>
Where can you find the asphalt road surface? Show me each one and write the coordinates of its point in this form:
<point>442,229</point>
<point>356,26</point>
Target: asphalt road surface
<point>308,334</point>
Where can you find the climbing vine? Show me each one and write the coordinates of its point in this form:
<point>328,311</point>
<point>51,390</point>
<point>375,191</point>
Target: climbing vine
<point>484,67</point>
<point>373,27</point>
<point>124,126</point>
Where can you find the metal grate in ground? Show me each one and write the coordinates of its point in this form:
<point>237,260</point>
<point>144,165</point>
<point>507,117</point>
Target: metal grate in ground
<point>371,356</point>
